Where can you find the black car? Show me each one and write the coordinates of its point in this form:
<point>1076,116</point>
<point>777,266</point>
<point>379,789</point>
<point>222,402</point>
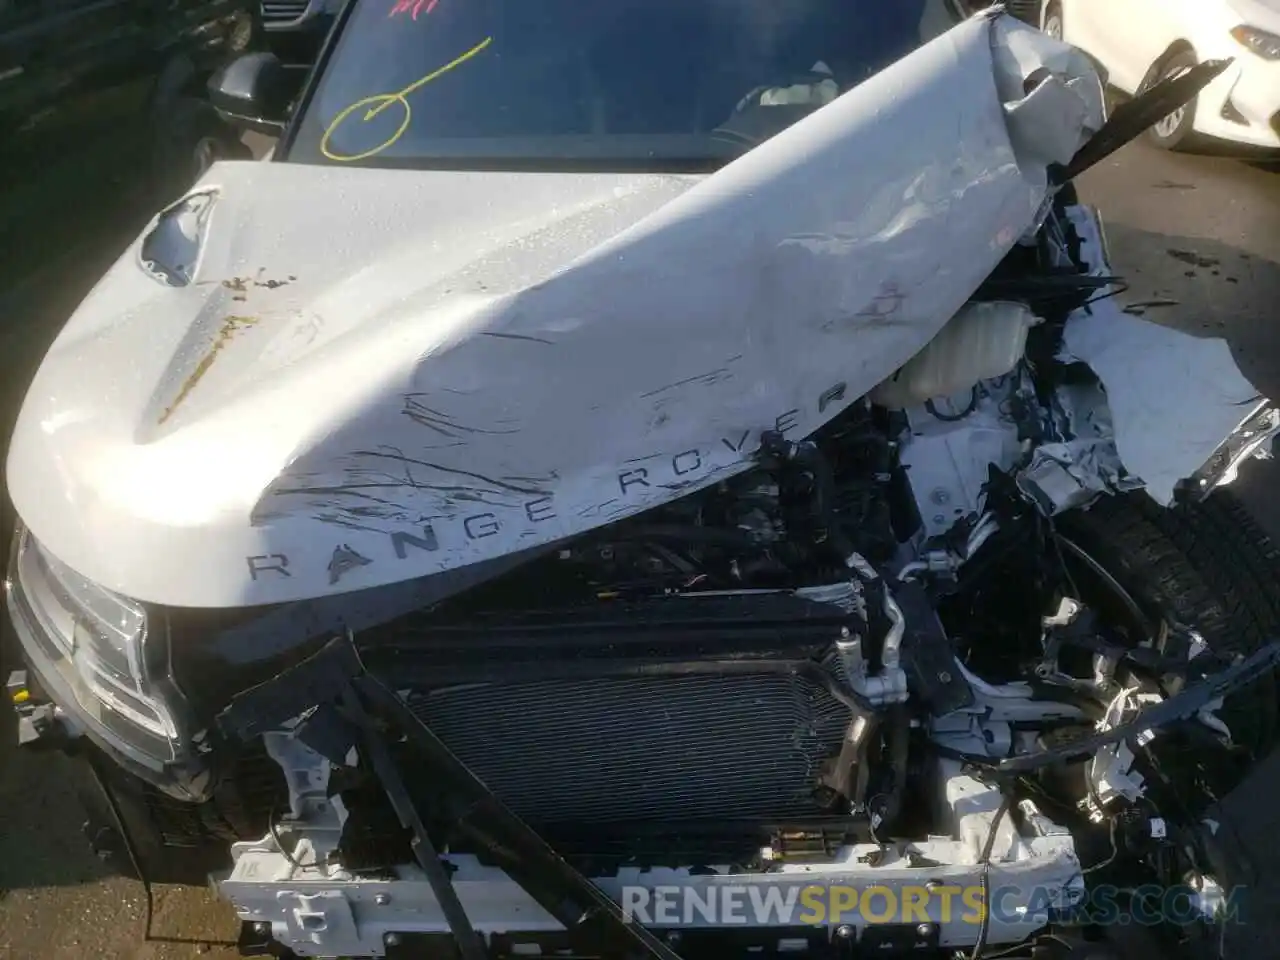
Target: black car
<point>294,29</point>
<point>101,113</point>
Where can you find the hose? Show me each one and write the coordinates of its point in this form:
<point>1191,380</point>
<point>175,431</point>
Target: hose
<point>984,930</point>
<point>890,649</point>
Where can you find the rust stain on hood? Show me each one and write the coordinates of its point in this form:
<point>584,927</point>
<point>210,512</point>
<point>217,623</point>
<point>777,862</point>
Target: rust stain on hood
<point>230,327</point>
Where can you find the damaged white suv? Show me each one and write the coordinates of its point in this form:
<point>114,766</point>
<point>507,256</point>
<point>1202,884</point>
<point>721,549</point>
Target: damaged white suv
<point>655,478</point>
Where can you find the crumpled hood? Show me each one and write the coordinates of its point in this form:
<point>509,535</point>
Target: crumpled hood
<point>305,380</point>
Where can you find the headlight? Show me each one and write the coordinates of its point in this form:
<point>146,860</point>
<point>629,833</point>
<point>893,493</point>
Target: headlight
<point>95,640</point>
<point>1265,45</point>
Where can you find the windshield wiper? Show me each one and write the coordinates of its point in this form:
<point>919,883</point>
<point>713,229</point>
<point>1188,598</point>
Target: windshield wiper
<point>1129,120</point>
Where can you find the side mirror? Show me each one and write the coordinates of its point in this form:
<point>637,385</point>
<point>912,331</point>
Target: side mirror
<point>254,91</point>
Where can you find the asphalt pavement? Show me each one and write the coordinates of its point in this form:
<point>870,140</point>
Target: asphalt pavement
<point>1197,238</point>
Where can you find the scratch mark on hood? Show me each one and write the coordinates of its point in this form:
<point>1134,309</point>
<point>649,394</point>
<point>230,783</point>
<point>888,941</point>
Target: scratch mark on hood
<point>442,423</point>
<point>884,306</point>
<point>340,521</point>
<point>410,461</point>
<point>520,336</point>
<point>354,490</point>
<point>708,378</point>
<point>550,477</point>
<point>230,326</point>
<point>348,490</point>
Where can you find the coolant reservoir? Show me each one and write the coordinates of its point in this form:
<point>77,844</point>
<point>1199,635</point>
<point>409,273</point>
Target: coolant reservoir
<point>983,340</point>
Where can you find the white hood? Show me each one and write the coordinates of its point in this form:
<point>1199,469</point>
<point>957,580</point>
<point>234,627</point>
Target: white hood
<point>374,375</point>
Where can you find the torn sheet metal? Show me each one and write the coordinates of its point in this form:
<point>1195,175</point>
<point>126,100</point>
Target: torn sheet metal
<point>1071,472</point>
<point>1063,476</point>
<point>1173,397</point>
<point>1253,438</point>
<point>1179,407</point>
<point>1066,99</point>
<point>431,369</point>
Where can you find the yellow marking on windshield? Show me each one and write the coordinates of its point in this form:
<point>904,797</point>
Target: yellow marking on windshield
<point>380,101</point>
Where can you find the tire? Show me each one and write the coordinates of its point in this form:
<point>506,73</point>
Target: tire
<point>1208,565</point>
<point>1175,131</point>
<point>1053,23</point>
<point>189,138</point>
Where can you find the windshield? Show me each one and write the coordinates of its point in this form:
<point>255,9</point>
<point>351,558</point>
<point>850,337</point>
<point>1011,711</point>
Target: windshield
<point>591,82</point>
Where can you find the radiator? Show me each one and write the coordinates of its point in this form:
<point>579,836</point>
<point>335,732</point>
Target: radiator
<point>643,749</point>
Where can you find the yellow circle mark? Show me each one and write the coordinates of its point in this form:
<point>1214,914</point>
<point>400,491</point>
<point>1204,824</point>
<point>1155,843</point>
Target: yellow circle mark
<point>381,101</point>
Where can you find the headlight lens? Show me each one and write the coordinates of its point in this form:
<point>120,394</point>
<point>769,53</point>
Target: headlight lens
<point>95,640</point>
<point>1265,45</point>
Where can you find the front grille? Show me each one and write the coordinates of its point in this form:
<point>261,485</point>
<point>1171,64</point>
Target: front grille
<point>283,11</point>
<point>179,824</point>
<point>648,749</point>
<point>251,790</point>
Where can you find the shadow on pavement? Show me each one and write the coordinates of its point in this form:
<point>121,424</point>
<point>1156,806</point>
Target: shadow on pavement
<point>40,815</point>
<point>1261,157</point>
<point>40,820</point>
<point>1268,165</point>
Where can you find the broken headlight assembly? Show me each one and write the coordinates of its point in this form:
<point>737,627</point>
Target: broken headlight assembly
<point>89,647</point>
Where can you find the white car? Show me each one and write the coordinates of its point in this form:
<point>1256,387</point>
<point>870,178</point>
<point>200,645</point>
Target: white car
<point>1142,41</point>
<point>593,492</point>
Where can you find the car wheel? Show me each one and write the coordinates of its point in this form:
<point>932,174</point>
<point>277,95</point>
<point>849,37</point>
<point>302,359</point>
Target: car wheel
<point>1053,21</point>
<point>1174,130</point>
<point>1209,565</point>
<point>191,137</point>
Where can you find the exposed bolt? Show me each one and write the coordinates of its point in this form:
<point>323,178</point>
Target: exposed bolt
<point>944,676</point>
<point>844,931</point>
<point>940,496</point>
<point>391,939</point>
<point>939,518</point>
<point>933,885</point>
<point>924,931</point>
<point>382,899</point>
<point>674,938</point>
<point>262,927</point>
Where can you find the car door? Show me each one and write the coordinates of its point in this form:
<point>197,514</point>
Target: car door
<point>1125,36</point>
